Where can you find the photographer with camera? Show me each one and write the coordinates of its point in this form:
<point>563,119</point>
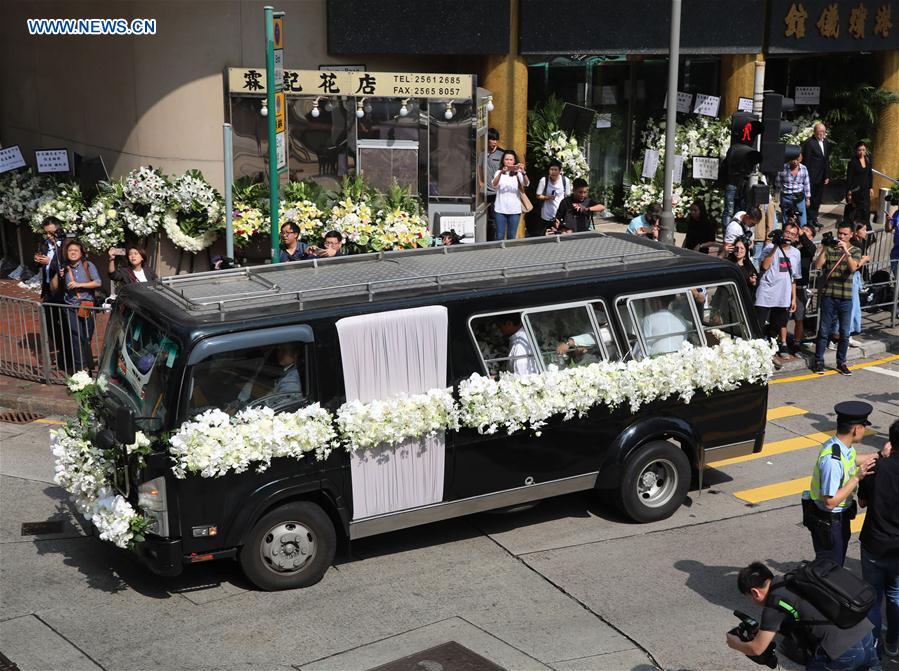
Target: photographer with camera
<point>838,260</point>
<point>826,646</point>
<point>741,225</point>
<point>775,297</point>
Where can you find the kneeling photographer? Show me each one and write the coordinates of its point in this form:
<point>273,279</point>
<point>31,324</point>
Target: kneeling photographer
<point>815,640</point>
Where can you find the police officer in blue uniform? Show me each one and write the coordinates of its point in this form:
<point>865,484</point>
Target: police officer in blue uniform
<point>828,505</point>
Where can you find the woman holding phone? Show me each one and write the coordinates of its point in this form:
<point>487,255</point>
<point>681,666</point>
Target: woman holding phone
<point>508,181</point>
<point>77,279</point>
<point>134,270</point>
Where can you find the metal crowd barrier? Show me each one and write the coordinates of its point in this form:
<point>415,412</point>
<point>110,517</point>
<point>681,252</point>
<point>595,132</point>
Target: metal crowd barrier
<point>47,342</point>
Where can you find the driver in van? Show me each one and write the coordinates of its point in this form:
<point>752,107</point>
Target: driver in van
<point>521,354</point>
<point>662,328</point>
<point>286,382</point>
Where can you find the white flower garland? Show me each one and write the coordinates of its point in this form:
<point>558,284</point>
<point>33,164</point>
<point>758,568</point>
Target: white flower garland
<point>214,443</point>
<point>564,148</point>
<point>148,190</point>
<point>364,426</point>
<point>101,226</point>
<point>194,214</point>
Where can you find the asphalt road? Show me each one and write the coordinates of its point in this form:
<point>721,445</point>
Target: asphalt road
<point>567,584</point>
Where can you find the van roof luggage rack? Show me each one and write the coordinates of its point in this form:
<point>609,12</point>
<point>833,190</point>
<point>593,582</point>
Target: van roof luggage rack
<point>314,281</point>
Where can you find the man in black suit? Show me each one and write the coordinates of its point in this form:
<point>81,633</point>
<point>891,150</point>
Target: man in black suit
<point>815,156</point>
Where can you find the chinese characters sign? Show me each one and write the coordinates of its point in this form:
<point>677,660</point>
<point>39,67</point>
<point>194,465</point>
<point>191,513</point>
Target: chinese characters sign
<point>11,158</point>
<point>52,160</point>
<point>830,26</point>
<point>251,81</point>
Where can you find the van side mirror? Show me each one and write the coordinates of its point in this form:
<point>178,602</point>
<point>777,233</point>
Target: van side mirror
<point>124,425</point>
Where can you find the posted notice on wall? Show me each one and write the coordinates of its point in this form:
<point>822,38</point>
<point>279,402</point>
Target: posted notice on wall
<point>11,158</point>
<point>705,167</point>
<point>650,163</point>
<point>677,168</point>
<point>52,160</point>
<point>808,95</point>
<point>684,101</point>
<point>745,105</point>
<point>706,105</point>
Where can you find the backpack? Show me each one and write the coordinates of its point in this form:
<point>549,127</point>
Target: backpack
<point>843,598</point>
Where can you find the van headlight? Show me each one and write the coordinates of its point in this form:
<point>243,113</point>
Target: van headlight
<point>151,498</point>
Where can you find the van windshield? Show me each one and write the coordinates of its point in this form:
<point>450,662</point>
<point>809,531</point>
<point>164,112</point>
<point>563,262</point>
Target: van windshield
<point>138,358</point>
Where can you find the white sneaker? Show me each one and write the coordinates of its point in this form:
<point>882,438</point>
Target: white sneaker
<point>855,343</point>
<point>831,345</point>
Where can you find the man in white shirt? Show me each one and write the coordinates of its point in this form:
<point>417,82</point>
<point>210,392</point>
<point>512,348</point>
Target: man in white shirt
<point>521,354</point>
<point>742,223</point>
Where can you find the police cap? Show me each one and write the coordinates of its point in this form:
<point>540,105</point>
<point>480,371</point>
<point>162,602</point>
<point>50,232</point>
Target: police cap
<point>853,412</point>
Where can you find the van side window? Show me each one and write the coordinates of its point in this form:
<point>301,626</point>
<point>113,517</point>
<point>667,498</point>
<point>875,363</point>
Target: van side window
<point>504,344</point>
<point>666,321</point>
<point>274,376</point>
<point>722,312</point>
<point>606,334</point>
<point>565,337</point>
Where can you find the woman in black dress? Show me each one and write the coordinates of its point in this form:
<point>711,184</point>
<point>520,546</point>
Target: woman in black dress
<point>859,185</point>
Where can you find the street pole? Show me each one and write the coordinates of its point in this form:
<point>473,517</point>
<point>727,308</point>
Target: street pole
<point>272,148</point>
<point>229,183</point>
<point>666,231</point>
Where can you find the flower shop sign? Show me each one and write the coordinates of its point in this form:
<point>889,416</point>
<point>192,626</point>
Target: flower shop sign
<point>251,81</point>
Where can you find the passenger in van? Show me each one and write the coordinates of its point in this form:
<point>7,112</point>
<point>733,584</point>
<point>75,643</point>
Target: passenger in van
<point>521,354</point>
<point>580,349</point>
<point>663,329</point>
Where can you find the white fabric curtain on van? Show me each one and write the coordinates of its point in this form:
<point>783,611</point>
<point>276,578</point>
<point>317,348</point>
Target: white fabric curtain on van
<point>385,355</point>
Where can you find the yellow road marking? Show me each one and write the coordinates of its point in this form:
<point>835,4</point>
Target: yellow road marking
<point>776,491</point>
<point>47,421</point>
<point>811,376</point>
<point>784,411</point>
<point>856,524</point>
<point>777,447</point>
<point>780,447</point>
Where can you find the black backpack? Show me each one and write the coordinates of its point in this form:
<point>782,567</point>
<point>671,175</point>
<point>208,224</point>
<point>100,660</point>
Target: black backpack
<point>843,598</point>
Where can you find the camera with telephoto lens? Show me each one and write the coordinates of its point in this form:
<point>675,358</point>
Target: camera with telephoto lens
<point>746,631</point>
<point>777,237</point>
<point>828,240</point>
<point>748,239</point>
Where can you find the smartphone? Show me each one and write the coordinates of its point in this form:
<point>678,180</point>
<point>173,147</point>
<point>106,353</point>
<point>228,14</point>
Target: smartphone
<point>118,251</point>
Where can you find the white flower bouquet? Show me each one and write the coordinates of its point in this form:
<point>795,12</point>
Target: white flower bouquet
<point>144,196</point>
<point>65,203</point>
<point>21,193</point>
<point>101,227</point>
<point>194,214</point>
<point>564,148</point>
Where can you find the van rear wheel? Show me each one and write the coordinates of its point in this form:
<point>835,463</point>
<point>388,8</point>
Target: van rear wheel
<point>655,482</point>
<point>289,547</point>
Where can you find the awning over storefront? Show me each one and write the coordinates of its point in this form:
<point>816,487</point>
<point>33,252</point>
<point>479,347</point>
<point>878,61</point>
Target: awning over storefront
<point>640,26</point>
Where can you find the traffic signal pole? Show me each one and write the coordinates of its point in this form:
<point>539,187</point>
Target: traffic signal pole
<point>666,228</point>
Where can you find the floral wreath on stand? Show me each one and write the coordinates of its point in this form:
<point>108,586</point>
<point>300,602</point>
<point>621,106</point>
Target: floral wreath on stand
<point>564,148</point>
<point>101,226</point>
<point>143,195</point>
<point>64,202</point>
<point>21,192</point>
<point>194,216</point>
<point>214,443</point>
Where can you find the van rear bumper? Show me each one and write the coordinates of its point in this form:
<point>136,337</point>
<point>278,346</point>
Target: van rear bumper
<point>163,556</point>
<point>732,450</point>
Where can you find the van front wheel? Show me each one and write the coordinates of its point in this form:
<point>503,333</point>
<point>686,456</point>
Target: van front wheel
<point>655,482</point>
<point>289,547</point>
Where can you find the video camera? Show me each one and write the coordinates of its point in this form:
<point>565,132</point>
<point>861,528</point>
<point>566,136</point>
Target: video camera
<point>748,239</point>
<point>828,240</point>
<point>746,631</point>
<point>777,237</point>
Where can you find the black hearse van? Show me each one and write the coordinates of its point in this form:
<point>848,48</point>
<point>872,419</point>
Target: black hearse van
<point>184,344</point>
